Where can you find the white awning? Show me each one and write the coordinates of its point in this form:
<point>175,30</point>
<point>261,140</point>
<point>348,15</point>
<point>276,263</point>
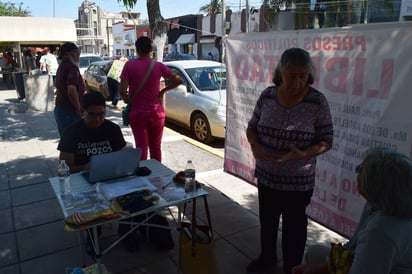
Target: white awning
<point>36,29</point>
<point>186,39</point>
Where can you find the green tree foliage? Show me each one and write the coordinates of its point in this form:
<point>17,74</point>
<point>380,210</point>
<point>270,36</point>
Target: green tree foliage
<point>128,3</point>
<point>10,9</point>
<point>214,7</point>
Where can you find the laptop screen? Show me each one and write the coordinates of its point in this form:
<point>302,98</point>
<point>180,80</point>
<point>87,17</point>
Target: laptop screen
<point>113,165</point>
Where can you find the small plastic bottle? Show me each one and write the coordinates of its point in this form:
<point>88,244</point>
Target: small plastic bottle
<point>190,174</point>
<point>63,172</point>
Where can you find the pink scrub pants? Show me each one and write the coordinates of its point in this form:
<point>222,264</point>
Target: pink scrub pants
<point>147,128</point>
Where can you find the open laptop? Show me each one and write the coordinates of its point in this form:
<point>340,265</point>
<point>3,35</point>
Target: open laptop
<point>114,165</point>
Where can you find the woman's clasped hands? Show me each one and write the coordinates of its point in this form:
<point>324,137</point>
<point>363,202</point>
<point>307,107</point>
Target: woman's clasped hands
<point>260,152</point>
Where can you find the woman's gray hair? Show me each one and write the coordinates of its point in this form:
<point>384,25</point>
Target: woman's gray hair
<point>294,57</point>
<point>386,180</point>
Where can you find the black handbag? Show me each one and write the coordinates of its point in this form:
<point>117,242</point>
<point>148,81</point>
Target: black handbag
<point>126,110</point>
<point>125,115</point>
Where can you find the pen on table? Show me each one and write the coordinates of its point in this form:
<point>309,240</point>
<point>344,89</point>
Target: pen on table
<point>166,185</point>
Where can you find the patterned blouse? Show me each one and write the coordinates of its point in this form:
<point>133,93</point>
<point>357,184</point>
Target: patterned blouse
<point>303,125</point>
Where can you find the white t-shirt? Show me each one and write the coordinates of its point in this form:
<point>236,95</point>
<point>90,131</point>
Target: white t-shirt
<point>51,61</point>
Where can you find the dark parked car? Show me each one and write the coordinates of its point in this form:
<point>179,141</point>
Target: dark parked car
<point>174,56</point>
<point>95,77</point>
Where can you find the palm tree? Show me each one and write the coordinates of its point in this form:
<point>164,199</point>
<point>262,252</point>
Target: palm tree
<point>215,7</point>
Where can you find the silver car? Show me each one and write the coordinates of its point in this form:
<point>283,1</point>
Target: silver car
<point>95,77</point>
<point>200,103</point>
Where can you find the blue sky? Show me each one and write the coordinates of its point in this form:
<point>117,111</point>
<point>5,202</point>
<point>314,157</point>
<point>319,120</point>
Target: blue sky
<point>68,8</point>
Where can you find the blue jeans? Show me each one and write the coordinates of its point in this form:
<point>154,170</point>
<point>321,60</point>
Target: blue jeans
<point>114,90</point>
<point>64,118</point>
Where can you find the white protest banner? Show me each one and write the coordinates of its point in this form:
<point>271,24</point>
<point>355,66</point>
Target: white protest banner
<point>364,71</point>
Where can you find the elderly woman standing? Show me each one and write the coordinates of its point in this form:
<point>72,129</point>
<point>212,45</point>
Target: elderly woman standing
<point>382,242</point>
<point>291,124</point>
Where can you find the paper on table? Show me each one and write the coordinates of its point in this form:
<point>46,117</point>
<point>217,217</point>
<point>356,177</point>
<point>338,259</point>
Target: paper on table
<point>113,190</point>
<point>161,182</point>
<point>167,189</point>
<point>85,202</point>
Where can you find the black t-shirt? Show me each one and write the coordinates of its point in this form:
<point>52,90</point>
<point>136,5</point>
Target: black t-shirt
<point>85,142</point>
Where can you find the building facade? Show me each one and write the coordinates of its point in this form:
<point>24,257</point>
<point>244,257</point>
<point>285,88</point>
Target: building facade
<point>124,37</point>
<point>94,28</point>
<point>106,33</point>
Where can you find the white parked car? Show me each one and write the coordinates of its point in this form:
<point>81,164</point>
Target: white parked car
<point>86,59</point>
<point>200,103</point>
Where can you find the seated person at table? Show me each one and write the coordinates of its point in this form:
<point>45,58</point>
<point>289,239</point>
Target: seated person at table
<point>92,135</point>
<point>382,242</point>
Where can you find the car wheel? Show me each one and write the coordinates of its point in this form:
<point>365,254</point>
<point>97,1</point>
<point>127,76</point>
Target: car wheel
<point>201,129</point>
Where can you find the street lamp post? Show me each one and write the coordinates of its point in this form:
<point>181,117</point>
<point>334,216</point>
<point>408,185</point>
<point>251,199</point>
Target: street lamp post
<point>108,37</point>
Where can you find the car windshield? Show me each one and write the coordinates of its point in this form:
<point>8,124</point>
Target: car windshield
<point>176,56</point>
<point>85,61</point>
<point>105,68</point>
<point>208,78</point>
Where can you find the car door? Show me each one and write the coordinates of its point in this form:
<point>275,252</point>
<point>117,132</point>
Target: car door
<point>100,77</point>
<point>177,100</point>
<point>90,77</point>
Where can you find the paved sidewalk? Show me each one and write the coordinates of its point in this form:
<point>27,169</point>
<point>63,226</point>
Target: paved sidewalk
<point>32,238</point>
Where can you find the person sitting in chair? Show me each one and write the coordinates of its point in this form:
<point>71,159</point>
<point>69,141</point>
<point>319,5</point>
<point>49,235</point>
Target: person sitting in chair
<point>382,242</point>
<point>89,136</point>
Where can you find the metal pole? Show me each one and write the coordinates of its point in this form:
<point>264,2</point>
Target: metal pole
<point>108,37</point>
<point>223,18</point>
<point>247,15</point>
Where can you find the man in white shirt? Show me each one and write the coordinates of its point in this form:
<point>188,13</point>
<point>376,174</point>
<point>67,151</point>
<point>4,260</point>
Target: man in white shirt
<point>48,64</point>
<point>42,62</point>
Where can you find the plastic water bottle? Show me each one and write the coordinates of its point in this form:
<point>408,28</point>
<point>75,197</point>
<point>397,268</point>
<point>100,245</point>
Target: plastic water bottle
<point>190,174</point>
<point>63,172</point>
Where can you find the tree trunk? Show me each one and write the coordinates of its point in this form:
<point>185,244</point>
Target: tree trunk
<point>158,27</point>
<point>302,14</point>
